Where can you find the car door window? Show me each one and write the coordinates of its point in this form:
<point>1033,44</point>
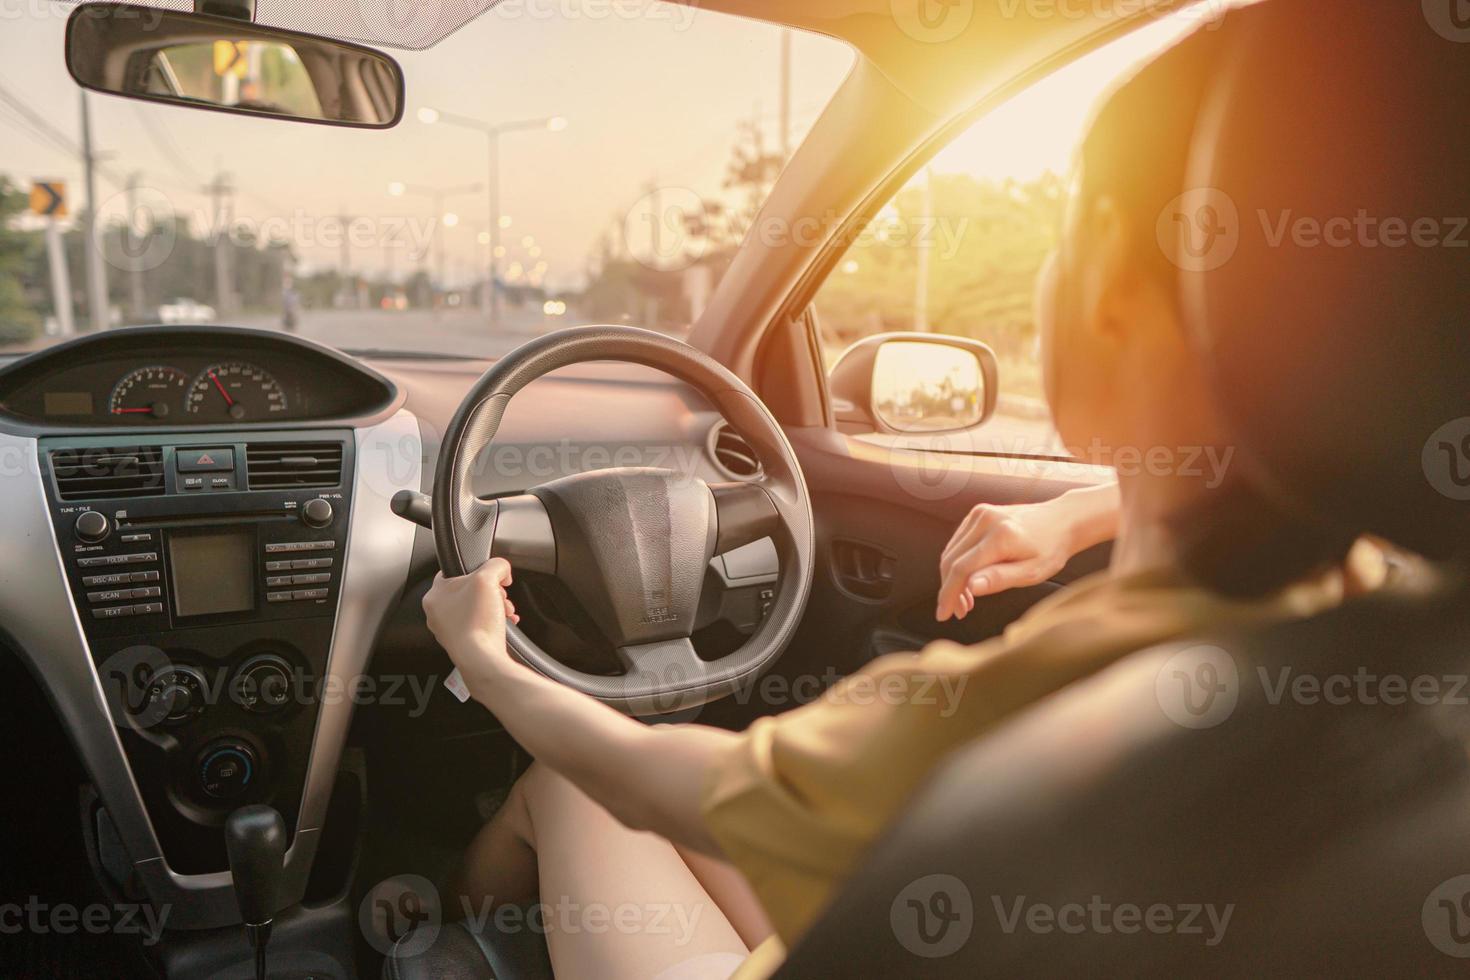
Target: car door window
<point>957,250</point>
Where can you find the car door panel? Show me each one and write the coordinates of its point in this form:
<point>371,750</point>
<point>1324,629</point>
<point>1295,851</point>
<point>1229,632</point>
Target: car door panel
<point>896,510</point>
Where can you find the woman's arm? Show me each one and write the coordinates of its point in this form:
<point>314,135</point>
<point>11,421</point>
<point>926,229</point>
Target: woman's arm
<point>1000,548</point>
<point>649,778</point>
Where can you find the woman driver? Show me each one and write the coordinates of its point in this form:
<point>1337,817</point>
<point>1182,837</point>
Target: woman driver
<point>725,846</point>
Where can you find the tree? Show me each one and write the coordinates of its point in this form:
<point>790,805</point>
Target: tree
<point>19,319</point>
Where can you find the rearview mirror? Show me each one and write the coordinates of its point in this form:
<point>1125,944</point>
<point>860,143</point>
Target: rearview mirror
<point>915,382</point>
<point>230,65</point>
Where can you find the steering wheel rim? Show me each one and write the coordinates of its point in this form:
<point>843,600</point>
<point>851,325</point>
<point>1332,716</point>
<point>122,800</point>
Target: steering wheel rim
<point>570,527</point>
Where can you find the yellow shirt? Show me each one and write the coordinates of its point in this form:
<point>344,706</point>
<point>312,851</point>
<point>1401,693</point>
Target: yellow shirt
<point>801,796</point>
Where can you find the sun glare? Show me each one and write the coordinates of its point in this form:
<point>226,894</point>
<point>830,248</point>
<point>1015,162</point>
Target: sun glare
<point>1038,130</point>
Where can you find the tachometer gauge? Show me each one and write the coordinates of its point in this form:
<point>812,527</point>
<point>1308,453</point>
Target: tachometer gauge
<point>148,392</point>
<point>235,390</point>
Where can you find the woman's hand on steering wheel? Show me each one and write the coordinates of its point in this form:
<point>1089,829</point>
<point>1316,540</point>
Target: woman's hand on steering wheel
<point>467,615</point>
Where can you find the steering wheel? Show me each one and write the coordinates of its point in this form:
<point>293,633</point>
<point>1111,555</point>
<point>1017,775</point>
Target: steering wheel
<point>632,544</point>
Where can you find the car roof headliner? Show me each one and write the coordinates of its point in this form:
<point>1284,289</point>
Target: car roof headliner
<point>939,68</point>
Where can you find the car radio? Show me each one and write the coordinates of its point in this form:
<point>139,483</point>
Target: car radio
<point>205,570</point>
<point>198,530</point>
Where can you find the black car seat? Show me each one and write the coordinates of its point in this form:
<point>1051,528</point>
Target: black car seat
<point>1097,836</point>
<point>1100,832</point>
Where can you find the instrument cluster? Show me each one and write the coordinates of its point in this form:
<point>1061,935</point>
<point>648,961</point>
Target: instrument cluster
<point>236,391</point>
<point>154,377</point>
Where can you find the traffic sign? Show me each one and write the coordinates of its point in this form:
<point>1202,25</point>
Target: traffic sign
<point>48,198</point>
<point>229,58</point>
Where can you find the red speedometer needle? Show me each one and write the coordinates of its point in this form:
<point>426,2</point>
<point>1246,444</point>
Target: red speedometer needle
<point>228,400</point>
<point>131,411</point>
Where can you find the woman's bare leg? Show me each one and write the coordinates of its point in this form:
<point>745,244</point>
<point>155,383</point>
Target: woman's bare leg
<point>616,903</point>
<point>732,893</point>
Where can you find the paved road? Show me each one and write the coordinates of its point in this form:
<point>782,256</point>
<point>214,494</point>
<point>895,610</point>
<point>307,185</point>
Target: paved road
<point>461,333</point>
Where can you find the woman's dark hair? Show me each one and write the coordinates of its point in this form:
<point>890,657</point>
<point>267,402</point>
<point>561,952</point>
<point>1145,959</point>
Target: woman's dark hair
<point>1137,152</point>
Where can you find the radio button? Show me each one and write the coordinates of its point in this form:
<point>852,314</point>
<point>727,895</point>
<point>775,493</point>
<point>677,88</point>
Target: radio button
<point>280,566</point>
<point>91,527</point>
<point>281,547</point>
<point>112,578</point>
<point>317,513</point>
<point>147,608</point>
<point>316,578</point>
<point>143,577</point>
<point>112,612</point>
<point>110,595</point>
<point>312,563</point>
<point>104,560</point>
<point>147,593</point>
<point>143,538</point>
<point>274,580</point>
<point>310,593</point>
<point>279,596</point>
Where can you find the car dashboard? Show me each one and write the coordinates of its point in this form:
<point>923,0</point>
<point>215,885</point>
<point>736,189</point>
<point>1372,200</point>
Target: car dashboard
<point>202,545</point>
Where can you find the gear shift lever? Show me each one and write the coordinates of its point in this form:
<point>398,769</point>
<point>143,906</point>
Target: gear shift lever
<point>255,840</point>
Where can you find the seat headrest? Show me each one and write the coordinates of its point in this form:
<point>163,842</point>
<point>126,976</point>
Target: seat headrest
<point>1326,258</point>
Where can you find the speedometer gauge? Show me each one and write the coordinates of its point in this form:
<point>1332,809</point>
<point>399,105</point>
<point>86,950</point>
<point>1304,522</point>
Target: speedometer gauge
<point>235,390</point>
<point>148,392</point>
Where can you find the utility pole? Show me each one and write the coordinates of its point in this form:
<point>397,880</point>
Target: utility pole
<point>91,243</point>
<point>349,288</point>
<point>656,206</point>
<point>221,192</point>
<point>785,95</point>
<point>136,300</point>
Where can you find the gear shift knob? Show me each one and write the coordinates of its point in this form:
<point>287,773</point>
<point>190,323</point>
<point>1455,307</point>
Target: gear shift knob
<point>255,840</point>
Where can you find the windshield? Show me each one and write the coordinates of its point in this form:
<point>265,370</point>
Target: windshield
<point>598,162</point>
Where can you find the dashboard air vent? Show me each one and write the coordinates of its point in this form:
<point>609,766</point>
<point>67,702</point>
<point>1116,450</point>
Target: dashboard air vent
<point>293,465</point>
<point>96,473</point>
<point>731,453</point>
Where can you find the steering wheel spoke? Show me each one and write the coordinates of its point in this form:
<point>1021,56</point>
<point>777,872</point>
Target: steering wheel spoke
<point>663,664</point>
<point>514,528</point>
<point>744,512</point>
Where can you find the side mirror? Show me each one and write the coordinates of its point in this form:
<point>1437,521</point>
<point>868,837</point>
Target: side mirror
<point>915,382</point>
<point>230,65</point>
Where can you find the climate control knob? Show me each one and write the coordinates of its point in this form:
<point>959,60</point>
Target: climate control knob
<point>175,695</point>
<point>226,770</point>
<point>317,513</point>
<point>91,527</point>
<point>263,684</point>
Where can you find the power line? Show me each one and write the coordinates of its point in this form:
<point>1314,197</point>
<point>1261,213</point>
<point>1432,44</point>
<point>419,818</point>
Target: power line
<point>164,142</point>
<point>43,125</point>
<point>22,126</point>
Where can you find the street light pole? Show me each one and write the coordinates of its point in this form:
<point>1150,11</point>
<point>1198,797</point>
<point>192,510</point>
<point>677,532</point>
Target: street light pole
<point>438,195</point>
<point>492,133</point>
<point>493,286</point>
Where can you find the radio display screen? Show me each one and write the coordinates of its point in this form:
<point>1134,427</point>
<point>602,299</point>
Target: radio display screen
<point>213,573</point>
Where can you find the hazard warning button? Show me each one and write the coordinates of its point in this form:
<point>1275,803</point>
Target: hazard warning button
<point>204,460</point>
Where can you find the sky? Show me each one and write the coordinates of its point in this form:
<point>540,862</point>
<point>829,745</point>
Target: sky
<point>652,95</point>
